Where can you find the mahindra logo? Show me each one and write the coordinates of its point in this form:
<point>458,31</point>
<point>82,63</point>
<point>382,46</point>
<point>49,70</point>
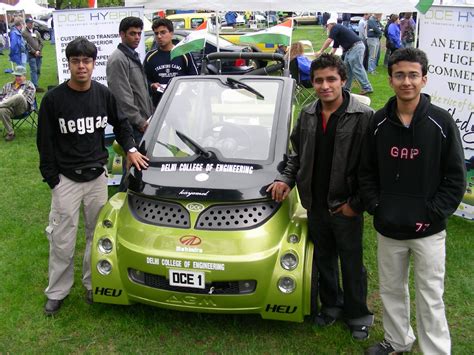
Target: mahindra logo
<point>190,240</point>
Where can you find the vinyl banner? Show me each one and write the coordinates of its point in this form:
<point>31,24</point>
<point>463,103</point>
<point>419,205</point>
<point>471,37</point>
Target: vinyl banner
<point>100,26</point>
<point>447,36</point>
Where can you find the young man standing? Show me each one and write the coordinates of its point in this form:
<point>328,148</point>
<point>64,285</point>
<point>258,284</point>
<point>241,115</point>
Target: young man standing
<point>71,144</point>
<point>159,68</point>
<point>126,78</point>
<point>412,177</point>
<point>324,163</point>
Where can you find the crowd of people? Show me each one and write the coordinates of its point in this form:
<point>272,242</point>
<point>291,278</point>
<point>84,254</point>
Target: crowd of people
<point>346,159</point>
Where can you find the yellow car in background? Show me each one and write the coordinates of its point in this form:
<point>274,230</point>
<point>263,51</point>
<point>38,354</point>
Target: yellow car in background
<point>189,21</point>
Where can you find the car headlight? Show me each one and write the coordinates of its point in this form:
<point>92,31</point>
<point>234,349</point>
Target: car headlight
<point>104,267</point>
<point>105,245</point>
<point>286,284</point>
<point>293,239</point>
<point>289,261</point>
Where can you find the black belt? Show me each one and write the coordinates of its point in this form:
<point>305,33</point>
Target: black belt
<point>353,45</point>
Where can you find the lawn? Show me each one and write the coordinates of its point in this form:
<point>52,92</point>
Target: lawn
<point>100,328</point>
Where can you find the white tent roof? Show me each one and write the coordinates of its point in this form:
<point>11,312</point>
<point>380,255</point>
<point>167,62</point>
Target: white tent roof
<point>357,6</point>
<point>31,7</point>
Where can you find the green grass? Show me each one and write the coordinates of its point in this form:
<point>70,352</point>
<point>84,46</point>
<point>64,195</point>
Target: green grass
<point>24,208</point>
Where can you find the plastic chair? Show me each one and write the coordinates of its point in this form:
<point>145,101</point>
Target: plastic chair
<point>304,94</point>
<point>29,117</point>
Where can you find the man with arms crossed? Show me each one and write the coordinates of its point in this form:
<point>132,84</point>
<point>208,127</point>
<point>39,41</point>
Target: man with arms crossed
<point>326,144</point>
<point>71,144</point>
<point>412,177</point>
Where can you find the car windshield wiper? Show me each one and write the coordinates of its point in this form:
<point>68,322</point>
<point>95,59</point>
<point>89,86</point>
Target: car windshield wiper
<point>174,149</point>
<point>195,147</point>
<point>233,83</point>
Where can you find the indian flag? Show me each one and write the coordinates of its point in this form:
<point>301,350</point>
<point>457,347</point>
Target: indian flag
<point>195,41</point>
<point>279,34</point>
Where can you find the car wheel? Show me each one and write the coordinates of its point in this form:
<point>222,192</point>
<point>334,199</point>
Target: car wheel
<point>46,36</point>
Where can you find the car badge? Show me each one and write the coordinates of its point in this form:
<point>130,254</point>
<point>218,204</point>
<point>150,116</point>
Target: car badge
<point>201,177</point>
<point>190,240</point>
<point>194,207</point>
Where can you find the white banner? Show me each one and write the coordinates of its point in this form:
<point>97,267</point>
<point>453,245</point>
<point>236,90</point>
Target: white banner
<point>447,37</point>
<point>100,26</point>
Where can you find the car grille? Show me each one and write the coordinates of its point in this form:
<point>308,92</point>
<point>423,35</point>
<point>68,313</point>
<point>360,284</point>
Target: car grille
<point>236,217</point>
<point>218,288</point>
<point>159,213</point>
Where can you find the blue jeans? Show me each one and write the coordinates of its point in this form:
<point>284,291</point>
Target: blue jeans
<point>374,45</point>
<point>35,68</point>
<point>354,60</point>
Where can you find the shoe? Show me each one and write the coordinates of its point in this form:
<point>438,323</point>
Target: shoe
<point>52,307</point>
<point>382,348</point>
<point>89,298</point>
<point>359,332</point>
<point>9,137</point>
<point>324,320</point>
<point>40,90</point>
<point>366,92</point>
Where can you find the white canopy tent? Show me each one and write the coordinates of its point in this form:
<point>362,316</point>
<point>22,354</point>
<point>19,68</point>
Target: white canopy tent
<point>357,6</point>
<point>31,8</point>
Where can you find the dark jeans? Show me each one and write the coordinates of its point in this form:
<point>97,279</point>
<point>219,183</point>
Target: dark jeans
<point>337,237</point>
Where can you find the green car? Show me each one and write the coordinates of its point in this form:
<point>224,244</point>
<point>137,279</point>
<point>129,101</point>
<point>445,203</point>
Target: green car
<point>197,230</point>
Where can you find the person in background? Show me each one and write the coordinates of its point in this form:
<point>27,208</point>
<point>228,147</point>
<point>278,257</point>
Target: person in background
<point>3,31</point>
<point>231,18</point>
<point>159,68</point>
<point>374,33</point>
<point>394,33</point>
<point>34,46</point>
<point>296,52</point>
<point>327,141</point>
<point>346,20</point>
<point>126,80</point>
<point>17,97</point>
<point>407,30</point>
<point>73,159</point>
<point>412,176</point>
<point>17,44</point>
<point>362,28</point>
<point>353,54</point>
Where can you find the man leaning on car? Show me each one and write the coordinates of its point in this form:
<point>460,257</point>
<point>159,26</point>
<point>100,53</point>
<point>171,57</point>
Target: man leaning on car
<point>331,129</point>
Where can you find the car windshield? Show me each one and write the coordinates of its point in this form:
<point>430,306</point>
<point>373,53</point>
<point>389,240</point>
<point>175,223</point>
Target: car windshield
<point>234,119</point>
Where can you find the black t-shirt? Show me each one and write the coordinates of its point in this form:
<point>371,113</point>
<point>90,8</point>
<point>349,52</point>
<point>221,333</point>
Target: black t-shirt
<point>71,127</point>
<point>160,69</point>
<point>324,150</point>
<point>343,37</point>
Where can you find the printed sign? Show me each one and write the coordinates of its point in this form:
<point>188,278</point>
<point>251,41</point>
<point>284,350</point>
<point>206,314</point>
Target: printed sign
<point>447,37</point>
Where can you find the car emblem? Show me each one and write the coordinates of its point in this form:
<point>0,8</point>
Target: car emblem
<point>190,240</point>
<point>201,177</point>
<point>194,207</point>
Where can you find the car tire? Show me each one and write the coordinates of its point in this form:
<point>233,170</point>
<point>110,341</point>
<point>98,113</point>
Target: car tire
<point>46,36</point>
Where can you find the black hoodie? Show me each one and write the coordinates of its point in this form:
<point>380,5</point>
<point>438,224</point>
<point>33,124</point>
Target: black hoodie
<point>412,178</point>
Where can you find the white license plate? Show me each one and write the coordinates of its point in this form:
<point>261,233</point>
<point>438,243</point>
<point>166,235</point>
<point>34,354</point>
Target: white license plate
<point>185,278</point>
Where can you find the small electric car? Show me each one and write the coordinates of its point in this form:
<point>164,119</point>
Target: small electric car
<point>197,230</point>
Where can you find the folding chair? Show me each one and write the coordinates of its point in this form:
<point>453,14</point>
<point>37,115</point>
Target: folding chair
<point>29,117</point>
<point>304,94</point>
